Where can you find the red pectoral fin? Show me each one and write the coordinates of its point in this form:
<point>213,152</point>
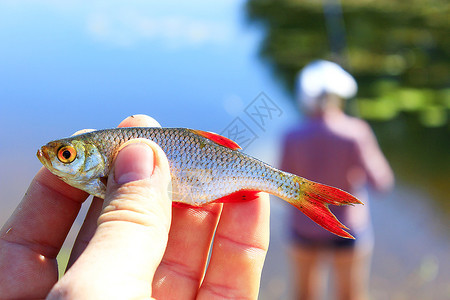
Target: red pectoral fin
<point>218,139</point>
<point>238,197</point>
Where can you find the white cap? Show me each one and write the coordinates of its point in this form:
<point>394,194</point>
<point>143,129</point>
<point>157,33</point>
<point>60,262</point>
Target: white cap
<point>323,77</point>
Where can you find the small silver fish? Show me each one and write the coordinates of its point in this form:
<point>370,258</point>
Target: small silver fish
<point>205,168</point>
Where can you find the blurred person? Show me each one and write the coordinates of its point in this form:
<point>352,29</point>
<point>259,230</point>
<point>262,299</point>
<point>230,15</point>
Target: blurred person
<point>126,250</point>
<point>335,149</point>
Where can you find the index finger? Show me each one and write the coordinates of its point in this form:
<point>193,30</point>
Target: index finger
<point>240,246</point>
<point>32,237</point>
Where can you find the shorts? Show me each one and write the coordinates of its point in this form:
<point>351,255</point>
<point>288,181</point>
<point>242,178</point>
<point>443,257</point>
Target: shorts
<point>332,243</point>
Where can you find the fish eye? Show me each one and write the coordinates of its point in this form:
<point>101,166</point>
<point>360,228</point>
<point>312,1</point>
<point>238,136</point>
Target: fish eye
<point>67,154</point>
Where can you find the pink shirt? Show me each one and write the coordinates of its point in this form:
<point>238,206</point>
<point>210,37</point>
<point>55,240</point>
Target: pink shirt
<point>340,151</point>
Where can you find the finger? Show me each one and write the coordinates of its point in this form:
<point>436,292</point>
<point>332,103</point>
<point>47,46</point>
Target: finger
<point>132,232</point>
<point>182,268</point>
<point>32,237</point>
<point>240,246</point>
<point>89,226</point>
<point>139,120</point>
<point>180,275</point>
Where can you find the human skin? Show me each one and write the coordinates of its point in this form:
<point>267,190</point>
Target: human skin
<point>135,244</point>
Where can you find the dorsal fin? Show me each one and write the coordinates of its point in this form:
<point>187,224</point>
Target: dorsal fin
<point>217,138</point>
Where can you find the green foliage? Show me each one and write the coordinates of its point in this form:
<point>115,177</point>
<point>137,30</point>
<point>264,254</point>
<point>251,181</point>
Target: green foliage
<point>402,43</point>
<point>399,53</point>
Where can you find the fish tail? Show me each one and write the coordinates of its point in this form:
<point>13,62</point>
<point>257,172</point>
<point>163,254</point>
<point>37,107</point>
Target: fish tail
<point>313,201</point>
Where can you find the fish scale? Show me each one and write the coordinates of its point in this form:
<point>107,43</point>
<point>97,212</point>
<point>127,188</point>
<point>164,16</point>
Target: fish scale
<point>205,168</point>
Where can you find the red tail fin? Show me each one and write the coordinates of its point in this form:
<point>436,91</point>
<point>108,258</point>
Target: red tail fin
<point>314,200</point>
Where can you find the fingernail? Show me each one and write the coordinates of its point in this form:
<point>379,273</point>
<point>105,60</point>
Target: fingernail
<point>133,162</point>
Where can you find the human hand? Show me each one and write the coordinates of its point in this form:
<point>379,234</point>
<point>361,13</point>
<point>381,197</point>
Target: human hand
<point>125,250</point>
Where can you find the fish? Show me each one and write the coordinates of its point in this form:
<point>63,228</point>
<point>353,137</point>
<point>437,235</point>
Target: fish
<point>205,168</point>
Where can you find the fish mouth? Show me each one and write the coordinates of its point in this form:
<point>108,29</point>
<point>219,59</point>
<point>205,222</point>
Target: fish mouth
<point>42,155</point>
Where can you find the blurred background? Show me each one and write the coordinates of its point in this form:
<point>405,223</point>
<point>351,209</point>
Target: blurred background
<point>89,64</point>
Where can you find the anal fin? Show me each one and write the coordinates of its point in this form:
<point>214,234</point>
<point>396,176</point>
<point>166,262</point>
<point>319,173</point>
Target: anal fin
<point>238,196</point>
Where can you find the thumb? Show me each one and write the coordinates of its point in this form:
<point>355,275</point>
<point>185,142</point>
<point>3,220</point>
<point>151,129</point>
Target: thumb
<point>137,190</point>
<point>132,232</point>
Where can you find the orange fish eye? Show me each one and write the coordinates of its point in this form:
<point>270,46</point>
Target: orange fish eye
<point>67,154</point>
